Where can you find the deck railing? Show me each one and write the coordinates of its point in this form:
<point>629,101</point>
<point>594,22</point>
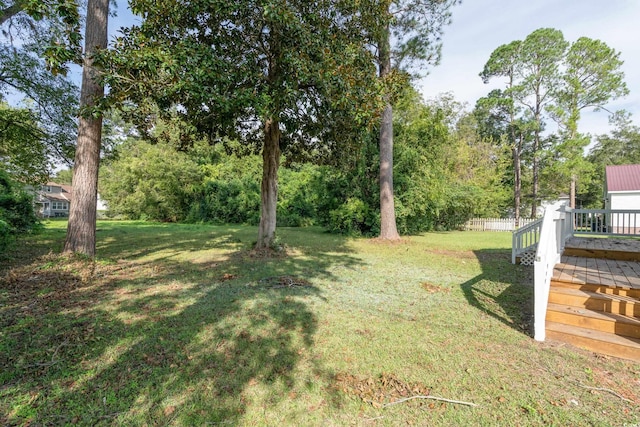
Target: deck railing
<point>525,238</point>
<point>550,247</point>
<point>559,224</point>
<point>607,222</point>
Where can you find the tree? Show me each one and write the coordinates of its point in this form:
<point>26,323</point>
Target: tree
<point>446,171</point>
<point>81,229</point>
<point>532,68</point>
<point>548,77</point>
<point>150,182</point>
<point>23,153</point>
<point>16,210</point>
<point>591,78</point>
<point>283,76</point>
<point>538,72</point>
<point>416,27</point>
<point>620,147</point>
<point>498,110</point>
<point>28,35</point>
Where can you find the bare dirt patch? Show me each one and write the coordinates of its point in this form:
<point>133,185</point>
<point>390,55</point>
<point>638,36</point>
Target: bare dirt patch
<point>432,289</point>
<point>384,389</point>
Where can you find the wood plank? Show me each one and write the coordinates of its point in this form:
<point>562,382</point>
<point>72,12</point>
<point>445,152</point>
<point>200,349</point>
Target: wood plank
<point>594,320</point>
<point>593,274</point>
<point>607,303</point>
<point>598,342</point>
<point>603,253</point>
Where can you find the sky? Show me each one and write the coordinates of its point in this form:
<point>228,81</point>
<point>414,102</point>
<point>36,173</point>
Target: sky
<point>478,27</point>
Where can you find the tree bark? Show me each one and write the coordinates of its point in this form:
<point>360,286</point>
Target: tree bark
<point>536,154</point>
<point>572,191</point>
<point>269,188</point>
<point>517,185</point>
<point>81,230</point>
<point>388,227</point>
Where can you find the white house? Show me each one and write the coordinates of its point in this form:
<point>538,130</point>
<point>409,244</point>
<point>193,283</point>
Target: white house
<point>53,200</point>
<point>622,191</point>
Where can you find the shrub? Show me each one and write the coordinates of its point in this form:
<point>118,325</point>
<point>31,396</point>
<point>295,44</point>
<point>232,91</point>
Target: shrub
<point>16,210</point>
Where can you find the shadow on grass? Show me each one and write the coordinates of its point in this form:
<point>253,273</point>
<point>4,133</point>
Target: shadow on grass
<point>158,342</point>
<point>503,291</point>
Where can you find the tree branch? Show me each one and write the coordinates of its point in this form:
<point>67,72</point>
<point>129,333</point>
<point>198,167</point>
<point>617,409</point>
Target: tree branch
<point>11,11</point>
<point>441,399</point>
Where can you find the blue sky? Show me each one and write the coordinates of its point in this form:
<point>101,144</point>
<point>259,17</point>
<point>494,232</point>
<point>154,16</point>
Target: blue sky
<point>479,26</point>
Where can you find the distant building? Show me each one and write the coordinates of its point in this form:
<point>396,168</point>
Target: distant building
<point>53,200</point>
<point>622,191</point>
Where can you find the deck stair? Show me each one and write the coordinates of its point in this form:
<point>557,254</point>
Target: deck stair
<point>594,299</point>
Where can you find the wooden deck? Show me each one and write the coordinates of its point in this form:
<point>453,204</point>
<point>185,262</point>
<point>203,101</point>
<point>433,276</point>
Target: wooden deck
<point>607,272</point>
<point>590,247</point>
<point>617,263</point>
<point>594,298</point>
<point>594,243</point>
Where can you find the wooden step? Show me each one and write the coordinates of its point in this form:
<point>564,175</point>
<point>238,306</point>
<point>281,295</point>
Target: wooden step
<point>602,289</point>
<point>607,303</point>
<point>599,342</point>
<point>602,254</point>
<point>595,320</point>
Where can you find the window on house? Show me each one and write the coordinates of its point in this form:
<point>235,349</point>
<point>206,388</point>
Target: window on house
<point>47,188</point>
<point>62,206</point>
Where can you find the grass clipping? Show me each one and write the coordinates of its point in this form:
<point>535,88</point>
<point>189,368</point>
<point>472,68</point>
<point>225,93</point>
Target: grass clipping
<point>387,390</point>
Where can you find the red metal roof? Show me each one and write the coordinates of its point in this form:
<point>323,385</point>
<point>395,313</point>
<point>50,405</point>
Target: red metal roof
<point>623,178</point>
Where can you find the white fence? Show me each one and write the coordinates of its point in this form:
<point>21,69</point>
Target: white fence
<point>495,224</point>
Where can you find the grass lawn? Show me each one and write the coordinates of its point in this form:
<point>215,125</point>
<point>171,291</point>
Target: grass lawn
<point>185,325</point>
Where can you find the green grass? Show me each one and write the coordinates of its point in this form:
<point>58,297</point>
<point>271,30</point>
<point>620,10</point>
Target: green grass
<point>185,325</point>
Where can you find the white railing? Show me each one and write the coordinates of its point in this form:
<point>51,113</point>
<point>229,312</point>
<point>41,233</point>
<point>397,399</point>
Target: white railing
<point>553,234</point>
<point>495,224</point>
<point>525,238</point>
<point>607,222</point>
<point>559,224</point>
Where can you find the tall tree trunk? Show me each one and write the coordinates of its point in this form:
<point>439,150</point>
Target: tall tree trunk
<point>517,185</point>
<point>81,230</point>
<point>388,228</point>
<point>517,163</point>
<point>269,188</point>
<point>536,155</point>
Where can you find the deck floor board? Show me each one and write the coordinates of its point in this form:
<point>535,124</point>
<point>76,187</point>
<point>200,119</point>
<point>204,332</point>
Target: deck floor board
<point>608,272</point>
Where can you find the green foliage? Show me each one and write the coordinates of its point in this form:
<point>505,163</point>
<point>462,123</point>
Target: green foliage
<point>49,37</point>
<point>351,217</point>
<point>297,200</point>
<point>620,147</point>
<point>22,147</point>
<point>63,176</point>
<point>298,63</point>
<point>16,210</point>
<point>445,172</point>
<point>549,78</point>
<point>150,182</point>
<point>229,192</point>
<point>53,24</point>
